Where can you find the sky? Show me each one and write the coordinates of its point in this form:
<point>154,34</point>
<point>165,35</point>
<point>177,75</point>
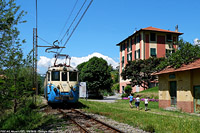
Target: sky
<point>105,24</point>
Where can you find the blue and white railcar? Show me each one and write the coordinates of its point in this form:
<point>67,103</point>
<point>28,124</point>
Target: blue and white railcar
<point>61,84</point>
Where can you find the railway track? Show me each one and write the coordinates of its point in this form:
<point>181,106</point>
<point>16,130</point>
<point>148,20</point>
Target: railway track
<point>86,123</point>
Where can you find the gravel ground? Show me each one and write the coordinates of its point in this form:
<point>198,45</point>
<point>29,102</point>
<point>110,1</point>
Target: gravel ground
<point>121,126</point>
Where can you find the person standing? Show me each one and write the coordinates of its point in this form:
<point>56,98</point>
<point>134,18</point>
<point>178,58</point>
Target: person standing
<point>130,100</point>
<point>146,101</point>
<point>137,102</point>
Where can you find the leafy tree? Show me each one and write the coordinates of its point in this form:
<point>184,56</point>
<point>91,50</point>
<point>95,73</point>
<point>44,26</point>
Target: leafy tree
<point>11,59</point>
<point>115,87</point>
<point>115,76</point>
<point>96,74</point>
<point>139,71</point>
<point>185,54</point>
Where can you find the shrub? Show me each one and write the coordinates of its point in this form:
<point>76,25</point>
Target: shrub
<point>24,119</point>
<point>115,87</point>
<point>128,89</point>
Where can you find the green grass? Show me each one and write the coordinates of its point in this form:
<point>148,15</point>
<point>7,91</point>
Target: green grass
<point>150,90</point>
<point>156,119</point>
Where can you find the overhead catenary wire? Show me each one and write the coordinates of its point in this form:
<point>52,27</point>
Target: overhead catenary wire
<point>44,40</point>
<point>68,18</point>
<point>73,20</point>
<point>76,25</point>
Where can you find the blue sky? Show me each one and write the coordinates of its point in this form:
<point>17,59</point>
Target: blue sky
<point>106,23</point>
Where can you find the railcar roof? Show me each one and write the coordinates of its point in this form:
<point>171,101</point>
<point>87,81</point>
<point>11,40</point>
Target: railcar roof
<point>61,68</point>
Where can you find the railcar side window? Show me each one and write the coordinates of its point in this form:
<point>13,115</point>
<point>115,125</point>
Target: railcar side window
<point>55,75</point>
<point>64,76</point>
<point>72,76</point>
<point>48,76</point>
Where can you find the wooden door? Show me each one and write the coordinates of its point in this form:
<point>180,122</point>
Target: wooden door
<point>173,92</point>
<point>197,99</point>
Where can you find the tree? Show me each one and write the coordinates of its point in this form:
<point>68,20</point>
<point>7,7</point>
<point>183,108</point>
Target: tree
<point>139,71</point>
<point>11,59</point>
<point>115,76</point>
<point>96,74</point>
<point>185,54</point>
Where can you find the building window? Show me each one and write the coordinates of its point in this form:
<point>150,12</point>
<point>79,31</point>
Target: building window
<point>169,38</point>
<point>122,61</point>
<point>129,57</point>
<point>127,45</point>
<point>153,52</point>
<point>131,44</point>
<point>138,53</point>
<point>123,47</point>
<point>169,52</point>
<point>135,54</point>
<point>152,36</point>
<point>138,38</point>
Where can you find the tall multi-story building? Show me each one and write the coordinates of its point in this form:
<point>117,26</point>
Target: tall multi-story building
<point>145,43</point>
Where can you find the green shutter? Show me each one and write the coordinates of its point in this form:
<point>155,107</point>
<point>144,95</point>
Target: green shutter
<point>139,53</point>
<point>130,56</point>
<point>153,52</point>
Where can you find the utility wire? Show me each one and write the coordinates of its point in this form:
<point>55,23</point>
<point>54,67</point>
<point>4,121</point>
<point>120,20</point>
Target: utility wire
<point>76,25</point>
<point>73,20</point>
<point>44,40</point>
<point>68,19</point>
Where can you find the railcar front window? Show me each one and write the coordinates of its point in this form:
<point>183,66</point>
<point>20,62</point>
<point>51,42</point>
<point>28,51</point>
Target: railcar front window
<point>64,76</point>
<point>55,76</point>
<point>73,76</point>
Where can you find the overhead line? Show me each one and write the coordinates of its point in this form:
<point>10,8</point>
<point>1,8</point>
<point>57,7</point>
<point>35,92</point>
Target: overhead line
<point>73,20</point>
<point>44,40</point>
<point>76,25</point>
<point>68,18</point>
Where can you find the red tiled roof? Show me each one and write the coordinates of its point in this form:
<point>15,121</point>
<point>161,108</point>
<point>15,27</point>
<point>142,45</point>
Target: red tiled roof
<point>193,65</point>
<point>160,30</point>
<point>152,29</point>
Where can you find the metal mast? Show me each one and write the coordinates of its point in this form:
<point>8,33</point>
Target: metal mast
<point>35,54</point>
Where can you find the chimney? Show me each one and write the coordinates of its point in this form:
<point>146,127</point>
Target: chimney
<point>176,28</point>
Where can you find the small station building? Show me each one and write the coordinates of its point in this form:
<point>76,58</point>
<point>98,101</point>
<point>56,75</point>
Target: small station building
<point>180,87</point>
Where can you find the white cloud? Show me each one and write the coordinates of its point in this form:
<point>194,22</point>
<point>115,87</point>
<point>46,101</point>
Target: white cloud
<point>196,41</point>
<point>45,62</point>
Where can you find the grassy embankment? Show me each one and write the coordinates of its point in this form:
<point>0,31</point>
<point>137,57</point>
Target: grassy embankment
<point>155,119</point>
<point>27,117</point>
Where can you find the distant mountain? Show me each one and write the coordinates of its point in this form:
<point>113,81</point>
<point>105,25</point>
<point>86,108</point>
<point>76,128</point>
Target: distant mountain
<point>45,62</point>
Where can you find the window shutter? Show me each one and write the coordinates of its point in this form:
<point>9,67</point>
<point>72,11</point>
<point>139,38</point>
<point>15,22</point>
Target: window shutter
<point>130,56</point>
<point>135,54</point>
<point>139,53</point>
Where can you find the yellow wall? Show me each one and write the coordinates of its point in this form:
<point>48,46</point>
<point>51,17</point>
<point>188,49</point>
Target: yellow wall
<point>196,77</point>
<point>184,85</point>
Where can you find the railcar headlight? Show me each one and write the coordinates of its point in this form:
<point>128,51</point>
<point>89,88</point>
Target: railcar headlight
<point>71,87</point>
<point>58,87</point>
<point>55,89</point>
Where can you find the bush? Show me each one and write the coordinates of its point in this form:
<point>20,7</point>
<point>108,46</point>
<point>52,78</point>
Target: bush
<point>115,88</point>
<point>24,119</point>
<point>124,95</point>
<point>128,89</point>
